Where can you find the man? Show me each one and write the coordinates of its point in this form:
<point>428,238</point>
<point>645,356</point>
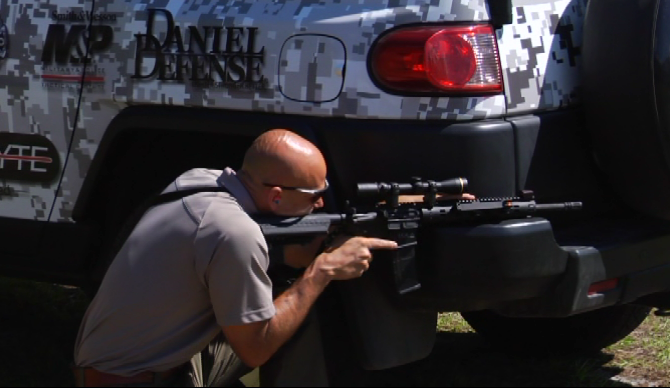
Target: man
<point>187,299</point>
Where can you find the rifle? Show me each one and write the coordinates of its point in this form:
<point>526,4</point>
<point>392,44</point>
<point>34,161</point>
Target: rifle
<point>393,220</point>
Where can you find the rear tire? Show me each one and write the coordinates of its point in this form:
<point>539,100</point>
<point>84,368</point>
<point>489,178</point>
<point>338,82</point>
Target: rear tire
<point>626,84</point>
<point>584,333</point>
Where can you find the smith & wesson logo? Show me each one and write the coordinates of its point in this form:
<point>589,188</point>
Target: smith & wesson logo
<point>65,53</point>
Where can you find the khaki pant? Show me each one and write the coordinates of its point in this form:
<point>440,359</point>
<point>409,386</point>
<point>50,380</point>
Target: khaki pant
<point>299,363</point>
<point>215,366</point>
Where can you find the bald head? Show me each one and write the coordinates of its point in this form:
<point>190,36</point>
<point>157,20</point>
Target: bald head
<point>283,157</point>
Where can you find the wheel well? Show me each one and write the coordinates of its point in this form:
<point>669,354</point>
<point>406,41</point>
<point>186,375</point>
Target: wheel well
<point>145,147</point>
<point>141,162</point>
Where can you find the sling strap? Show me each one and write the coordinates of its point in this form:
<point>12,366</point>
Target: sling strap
<point>179,194</point>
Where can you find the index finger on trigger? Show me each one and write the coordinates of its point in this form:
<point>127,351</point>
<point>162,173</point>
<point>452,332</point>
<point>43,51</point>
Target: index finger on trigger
<point>378,243</point>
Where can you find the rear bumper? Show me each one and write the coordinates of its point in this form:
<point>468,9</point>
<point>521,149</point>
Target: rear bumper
<point>518,268</point>
<point>526,268</point>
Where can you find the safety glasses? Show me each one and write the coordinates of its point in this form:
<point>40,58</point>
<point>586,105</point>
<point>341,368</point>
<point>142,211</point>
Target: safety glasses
<point>315,192</point>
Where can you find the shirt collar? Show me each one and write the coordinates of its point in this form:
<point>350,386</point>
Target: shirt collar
<point>232,182</point>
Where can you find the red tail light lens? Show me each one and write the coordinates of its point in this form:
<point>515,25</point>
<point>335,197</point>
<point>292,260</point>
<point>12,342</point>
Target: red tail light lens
<point>456,59</point>
<point>607,285</point>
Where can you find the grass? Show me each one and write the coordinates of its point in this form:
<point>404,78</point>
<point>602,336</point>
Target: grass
<point>39,322</point>
<point>645,353</point>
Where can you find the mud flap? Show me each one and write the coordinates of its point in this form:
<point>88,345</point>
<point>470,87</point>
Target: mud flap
<point>385,335</point>
<point>300,362</point>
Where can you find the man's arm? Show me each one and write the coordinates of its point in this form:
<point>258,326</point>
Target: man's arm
<point>256,342</point>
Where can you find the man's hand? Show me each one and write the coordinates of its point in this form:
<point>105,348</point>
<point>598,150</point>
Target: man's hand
<point>350,257</point>
<point>302,255</point>
<point>466,196</point>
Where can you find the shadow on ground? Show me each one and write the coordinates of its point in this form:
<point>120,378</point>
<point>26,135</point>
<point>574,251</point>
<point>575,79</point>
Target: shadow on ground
<point>39,322</point>
<point>465,360</point>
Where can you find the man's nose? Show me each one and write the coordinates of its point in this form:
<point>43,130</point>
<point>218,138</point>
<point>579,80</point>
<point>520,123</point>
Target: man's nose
<point>319,203</point>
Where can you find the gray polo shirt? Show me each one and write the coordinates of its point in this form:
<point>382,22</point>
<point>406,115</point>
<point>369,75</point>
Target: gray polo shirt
<point>188,268</point>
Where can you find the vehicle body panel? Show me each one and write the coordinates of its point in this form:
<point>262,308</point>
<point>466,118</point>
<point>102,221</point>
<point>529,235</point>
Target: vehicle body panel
<point>355,25</point>
<point>541,55</point>
<point>40,78</point>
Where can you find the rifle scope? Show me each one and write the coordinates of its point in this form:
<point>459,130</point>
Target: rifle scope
<point>450,186</point>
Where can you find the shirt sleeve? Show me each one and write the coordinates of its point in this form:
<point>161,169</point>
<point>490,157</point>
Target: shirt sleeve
<point>239,286</point>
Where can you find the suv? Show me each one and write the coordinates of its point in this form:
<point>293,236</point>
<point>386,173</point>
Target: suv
<point>103,103</point>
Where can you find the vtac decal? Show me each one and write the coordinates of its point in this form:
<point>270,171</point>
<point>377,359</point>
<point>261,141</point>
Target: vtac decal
<point>209,56</point>
<point>4,41</point>
<point>28,158</point>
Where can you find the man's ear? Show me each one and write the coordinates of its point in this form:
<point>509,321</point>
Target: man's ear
<point>274,198</point>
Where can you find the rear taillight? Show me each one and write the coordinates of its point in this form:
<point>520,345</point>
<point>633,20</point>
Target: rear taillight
<point>438,60</point>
